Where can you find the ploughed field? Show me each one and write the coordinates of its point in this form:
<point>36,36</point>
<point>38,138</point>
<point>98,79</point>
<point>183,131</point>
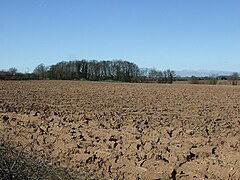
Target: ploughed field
<point>127,131</point>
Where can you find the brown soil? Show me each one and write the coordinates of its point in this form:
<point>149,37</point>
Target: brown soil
<point>127,131</point>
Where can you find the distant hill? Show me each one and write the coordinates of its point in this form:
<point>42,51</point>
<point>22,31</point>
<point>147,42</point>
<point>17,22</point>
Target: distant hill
<point>202,73</point>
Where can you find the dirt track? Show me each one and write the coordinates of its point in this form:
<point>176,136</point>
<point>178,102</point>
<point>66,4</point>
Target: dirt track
<point>128,131</point>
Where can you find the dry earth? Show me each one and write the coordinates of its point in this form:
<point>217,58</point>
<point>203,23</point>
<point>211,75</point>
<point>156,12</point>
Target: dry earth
<point>127,131</point>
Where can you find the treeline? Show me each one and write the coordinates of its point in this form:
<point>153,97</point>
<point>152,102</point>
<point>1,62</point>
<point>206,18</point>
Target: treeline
<point>93,70</point>
<point>89,70</point>
<point>213,79</point>
<point>105,70</point>
<point>13,74</point>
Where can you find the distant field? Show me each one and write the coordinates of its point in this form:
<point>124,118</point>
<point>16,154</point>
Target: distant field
<point>125,131</point>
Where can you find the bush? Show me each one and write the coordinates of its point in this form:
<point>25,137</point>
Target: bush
<point>212,80</point>
<point>194,80</point>
<point>16,164</point>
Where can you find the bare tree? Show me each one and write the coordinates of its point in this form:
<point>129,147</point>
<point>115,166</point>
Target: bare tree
<point>155,75</point>
<point>41,71</point>
<point>12,70</point>
<point>234,78</point>
<point>169,76</point>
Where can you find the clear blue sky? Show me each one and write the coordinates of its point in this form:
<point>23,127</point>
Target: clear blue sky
<point>176,34</point>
